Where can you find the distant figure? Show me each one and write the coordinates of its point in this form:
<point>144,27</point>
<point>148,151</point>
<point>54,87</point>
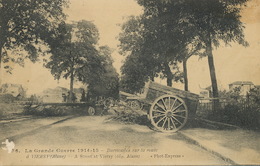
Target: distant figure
<point>83,96</point>
<point>64,97</point>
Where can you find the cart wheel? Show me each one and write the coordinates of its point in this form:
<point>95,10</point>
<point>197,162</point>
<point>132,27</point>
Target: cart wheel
<point>168,113</point>
<point>135,104</point>
<point>91,111</point>
<point>109,102</point>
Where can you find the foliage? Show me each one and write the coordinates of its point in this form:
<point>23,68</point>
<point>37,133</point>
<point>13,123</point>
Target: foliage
<point>105,82</point>
<point>26,25</point>
<point>135,74</point>
<point>254,95</point>
<point>143,60</point>
<point>240,114</point>
<point>214,22</point>
<point>169,32</point>
<point>202,24</point>
<point>7,98</point>
<point>73,50</point>
<point>137,67</point>
<point>240,110</point>
<point>232,96</point>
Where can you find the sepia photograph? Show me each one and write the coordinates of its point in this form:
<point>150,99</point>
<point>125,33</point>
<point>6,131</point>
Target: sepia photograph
<point>129,82</point>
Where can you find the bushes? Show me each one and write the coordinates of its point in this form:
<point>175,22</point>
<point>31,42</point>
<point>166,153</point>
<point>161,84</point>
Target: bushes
<point>8,110</point>
<point>229,113</point>
<point>243,111</point>
<point>241,114</point>
<point>7,98</point>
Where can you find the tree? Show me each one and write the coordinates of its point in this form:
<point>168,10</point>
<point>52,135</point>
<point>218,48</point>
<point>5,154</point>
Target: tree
<point>208,22</point>
<point>106,82</point>
<point>138,67</point>
<point>168,35</point>
<point>73,49</point>
<point>162,35</point>
<point>214,22</point>
<point>147,57</point>
<point>27,24</point>
<point>191,49</point>
<point>135,74</point>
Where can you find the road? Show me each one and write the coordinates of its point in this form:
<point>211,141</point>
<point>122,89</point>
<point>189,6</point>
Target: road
<point>94,140</point>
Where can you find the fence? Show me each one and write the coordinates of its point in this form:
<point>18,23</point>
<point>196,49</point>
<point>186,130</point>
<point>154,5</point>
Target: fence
<point>205,106</point>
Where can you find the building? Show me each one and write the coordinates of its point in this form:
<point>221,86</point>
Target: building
<point>53,95</point>
<point>244,86</point>
<point>57,95</point>
<point>206,92</point>
<point>16,90</point>
<point>257,87</point>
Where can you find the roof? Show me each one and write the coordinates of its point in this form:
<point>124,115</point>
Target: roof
<point>13,89</point>
<point>257,86</point>
<point>242,83</point>
<point>209,88</point>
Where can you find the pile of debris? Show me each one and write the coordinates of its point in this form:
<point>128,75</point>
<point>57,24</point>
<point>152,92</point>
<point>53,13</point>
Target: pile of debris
<point>54,110</point>
<point>126,114</point>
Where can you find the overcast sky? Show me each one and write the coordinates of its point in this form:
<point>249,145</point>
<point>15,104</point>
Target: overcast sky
<point>234,63</point>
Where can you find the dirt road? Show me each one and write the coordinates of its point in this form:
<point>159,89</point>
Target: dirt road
<point>93,140</point>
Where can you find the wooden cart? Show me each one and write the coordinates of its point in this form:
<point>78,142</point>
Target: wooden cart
<point>168,108</point>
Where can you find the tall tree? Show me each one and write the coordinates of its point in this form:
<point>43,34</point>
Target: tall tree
<point>208,22</point>
<point>173,36</point>
<point>73,49</point>
<point>138,67</point>
<point>104,82</point>
<point>26,24</point>
<point>193,48</point>
<point>214,22</point>
<point>144,44</point>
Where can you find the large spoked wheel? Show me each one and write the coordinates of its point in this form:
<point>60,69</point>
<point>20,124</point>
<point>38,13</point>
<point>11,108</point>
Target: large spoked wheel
<point>91,111</point>
<point>168,113</point>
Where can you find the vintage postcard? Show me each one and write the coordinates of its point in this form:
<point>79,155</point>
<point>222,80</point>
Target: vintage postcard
<point>129,82</point>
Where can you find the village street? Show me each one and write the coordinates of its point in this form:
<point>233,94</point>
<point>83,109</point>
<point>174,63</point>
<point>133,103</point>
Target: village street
<point>97,140</point>
<point>79,135</point>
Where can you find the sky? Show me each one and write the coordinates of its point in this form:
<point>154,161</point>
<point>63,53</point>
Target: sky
<point>234,63</point>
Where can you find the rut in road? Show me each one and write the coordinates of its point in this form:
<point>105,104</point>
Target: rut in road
<point>31,132</point>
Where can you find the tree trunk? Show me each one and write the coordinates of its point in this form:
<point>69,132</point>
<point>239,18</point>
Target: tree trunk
<point>1,76</point>
<point>71,95</point>
<point>185,75</point>
<point>168,73</point>
<point>169,81</point>
<point>1,48</point>
<point>213,76</point>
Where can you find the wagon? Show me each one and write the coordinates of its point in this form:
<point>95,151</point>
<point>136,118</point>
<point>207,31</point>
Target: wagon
<point>169,108</point>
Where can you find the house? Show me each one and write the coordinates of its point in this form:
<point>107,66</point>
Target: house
<point>206,92</point>
<point>53,95</point>
<point>57,94</point>
<point>244,86</point>
<point>16,90</point>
